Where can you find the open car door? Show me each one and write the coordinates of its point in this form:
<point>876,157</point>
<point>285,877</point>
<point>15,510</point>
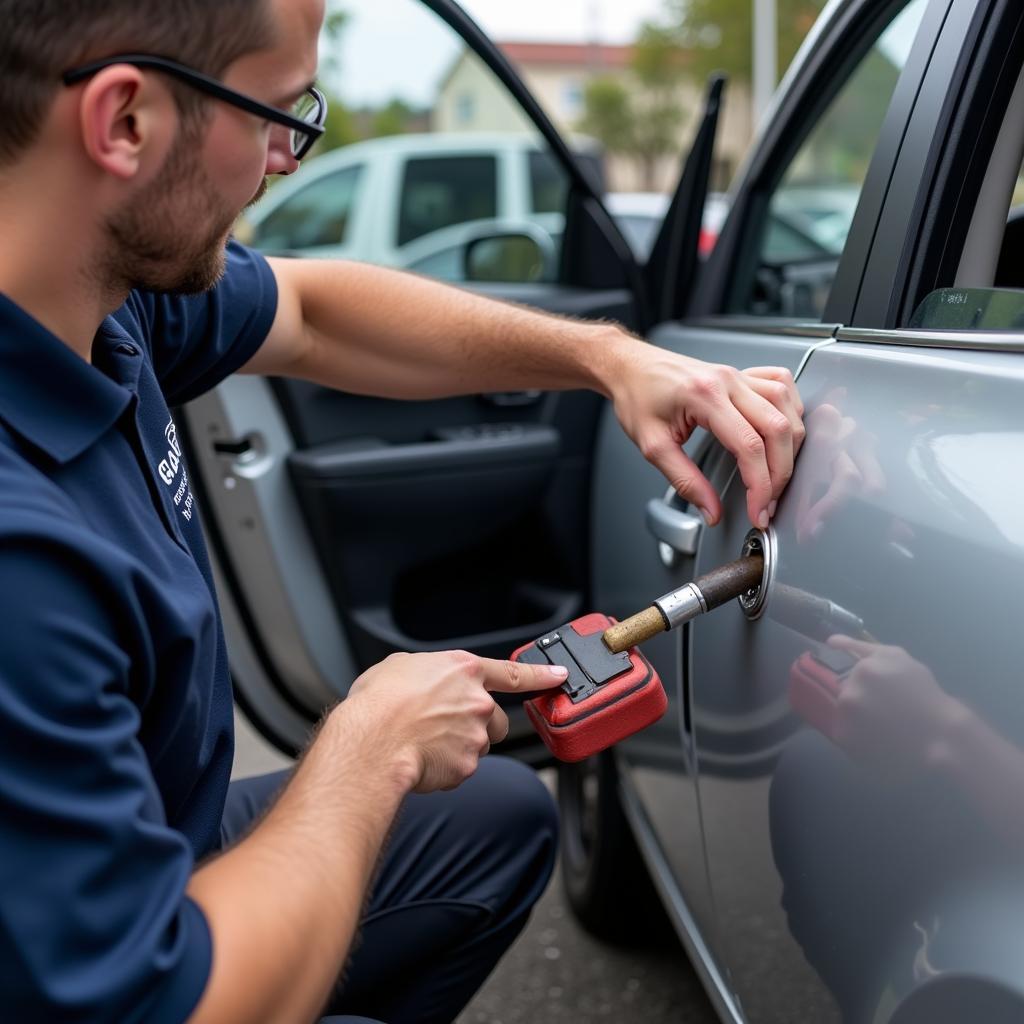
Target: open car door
<point>346,528</point>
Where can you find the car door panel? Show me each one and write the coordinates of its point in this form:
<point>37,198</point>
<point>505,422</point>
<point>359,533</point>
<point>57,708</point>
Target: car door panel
<point>404,530</point>
<point>408,501</point>
<point>860,871</point>
<point>723,738</point>
<point>662,761</point>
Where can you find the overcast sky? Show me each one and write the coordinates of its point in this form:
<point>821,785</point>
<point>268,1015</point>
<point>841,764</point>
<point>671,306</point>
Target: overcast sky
<point>398,47</point>
<point>574,20</point>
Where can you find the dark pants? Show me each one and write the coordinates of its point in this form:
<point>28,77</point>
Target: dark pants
<point>456,882</point>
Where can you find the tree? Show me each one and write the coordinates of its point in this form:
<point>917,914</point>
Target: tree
<point>643,122</point>
<point>660,66</point>
<point>609,115</point>
<point>340,128</point>
<point>718,34</point>
<point>392,119</point>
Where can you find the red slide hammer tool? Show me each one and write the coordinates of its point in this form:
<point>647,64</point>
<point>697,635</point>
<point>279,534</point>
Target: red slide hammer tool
<point>612,690</point>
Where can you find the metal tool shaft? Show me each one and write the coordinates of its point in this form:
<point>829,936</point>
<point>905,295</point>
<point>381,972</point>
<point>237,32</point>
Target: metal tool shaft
<point>671,610</point>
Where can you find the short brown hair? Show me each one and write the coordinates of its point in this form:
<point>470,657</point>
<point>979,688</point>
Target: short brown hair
<point>41,39</point>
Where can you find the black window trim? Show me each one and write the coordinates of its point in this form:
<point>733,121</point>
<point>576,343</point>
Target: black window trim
<point>987,38</point>
<point>843,42</point>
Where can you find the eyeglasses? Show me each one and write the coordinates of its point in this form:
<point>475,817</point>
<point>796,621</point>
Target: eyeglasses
<point>306,118</point>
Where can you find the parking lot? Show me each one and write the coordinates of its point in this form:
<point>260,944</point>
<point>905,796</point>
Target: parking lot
<point>555,972</point>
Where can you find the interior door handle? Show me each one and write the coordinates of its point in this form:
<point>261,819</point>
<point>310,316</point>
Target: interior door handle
<point>511,399</point>
<point>674,528</point>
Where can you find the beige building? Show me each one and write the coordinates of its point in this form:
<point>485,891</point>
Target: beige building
<point>471,99</point>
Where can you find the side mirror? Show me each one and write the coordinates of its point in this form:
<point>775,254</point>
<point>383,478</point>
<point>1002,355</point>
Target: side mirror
<point>510,259</point>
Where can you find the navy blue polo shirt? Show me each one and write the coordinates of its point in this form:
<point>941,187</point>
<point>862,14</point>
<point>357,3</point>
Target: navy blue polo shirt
<point>115,700</point>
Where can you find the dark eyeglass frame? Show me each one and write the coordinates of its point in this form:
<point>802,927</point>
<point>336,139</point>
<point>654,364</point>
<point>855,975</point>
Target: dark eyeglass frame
<point>310,130</point>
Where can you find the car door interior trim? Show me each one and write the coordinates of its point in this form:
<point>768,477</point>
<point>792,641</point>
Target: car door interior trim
<point>268,546</point>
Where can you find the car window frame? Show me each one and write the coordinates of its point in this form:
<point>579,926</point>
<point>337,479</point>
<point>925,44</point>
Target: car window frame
<point>595,255</point>
<point>776,211</point>
<point>840,39</point>
<point>917,248</point>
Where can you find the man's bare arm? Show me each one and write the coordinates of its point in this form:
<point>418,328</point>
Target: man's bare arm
<point>375,331</point>
<point>284,904</point>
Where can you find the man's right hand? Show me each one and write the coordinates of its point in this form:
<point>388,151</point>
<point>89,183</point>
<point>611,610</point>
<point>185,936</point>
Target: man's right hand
<point>433,715</point>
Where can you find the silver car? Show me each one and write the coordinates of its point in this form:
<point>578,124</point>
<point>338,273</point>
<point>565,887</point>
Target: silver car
<point>830,813</point>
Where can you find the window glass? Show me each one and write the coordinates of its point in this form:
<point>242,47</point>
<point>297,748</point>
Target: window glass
<point>314,216</point>
<point>449,156</point>
<point>811,207</point>
<point>640,232</point>
<point>549,187</point>
<point>439,191</point>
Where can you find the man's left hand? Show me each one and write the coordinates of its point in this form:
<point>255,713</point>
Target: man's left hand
<point>660,398</point>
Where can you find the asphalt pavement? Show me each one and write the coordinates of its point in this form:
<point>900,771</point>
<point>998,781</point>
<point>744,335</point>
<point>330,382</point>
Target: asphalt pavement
<point>556,973</point>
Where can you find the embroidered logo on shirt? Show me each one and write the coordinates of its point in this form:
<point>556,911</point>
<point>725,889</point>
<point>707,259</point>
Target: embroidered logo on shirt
<point>168,470</point>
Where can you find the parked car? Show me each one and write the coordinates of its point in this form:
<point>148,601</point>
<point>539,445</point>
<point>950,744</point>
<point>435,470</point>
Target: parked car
<point>416,201</point>
<point>639,216</point>
<point>811,222</point>
<point>834,828</point>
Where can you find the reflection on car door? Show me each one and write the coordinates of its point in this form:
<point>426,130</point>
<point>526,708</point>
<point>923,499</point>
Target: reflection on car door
<point>854,848</point>
<point>815,879</point>
<point>705,839</point>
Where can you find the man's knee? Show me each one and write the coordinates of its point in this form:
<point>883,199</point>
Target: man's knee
<point>516,798</point>
<point>527,800</point>
<point>520,814</point>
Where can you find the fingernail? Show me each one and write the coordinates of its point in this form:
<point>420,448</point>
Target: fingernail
<point>708,518</point>
<point>771,509</point>
<point>559,671</point>
<point>763,520</point>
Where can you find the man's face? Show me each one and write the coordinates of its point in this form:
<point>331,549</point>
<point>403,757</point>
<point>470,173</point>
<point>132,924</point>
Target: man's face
<point>171,236</point>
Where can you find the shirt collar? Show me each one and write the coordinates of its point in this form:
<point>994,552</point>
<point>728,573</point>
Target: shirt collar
<point>50,395</point>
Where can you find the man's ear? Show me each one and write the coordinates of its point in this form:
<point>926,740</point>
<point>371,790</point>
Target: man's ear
<point>125,122</point>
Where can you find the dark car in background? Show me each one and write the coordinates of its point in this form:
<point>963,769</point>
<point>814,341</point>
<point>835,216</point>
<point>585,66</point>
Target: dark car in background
<point>834,827</point>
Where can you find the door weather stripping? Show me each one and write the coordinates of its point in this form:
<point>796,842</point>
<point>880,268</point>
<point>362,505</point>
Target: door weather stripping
<point>984,341</point>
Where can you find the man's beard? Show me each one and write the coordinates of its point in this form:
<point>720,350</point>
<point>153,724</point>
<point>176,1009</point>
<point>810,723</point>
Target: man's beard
<point>154,240</point>
<point>260,193</point>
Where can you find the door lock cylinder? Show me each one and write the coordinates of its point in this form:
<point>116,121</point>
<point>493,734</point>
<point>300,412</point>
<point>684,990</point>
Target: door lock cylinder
<point>749,578</point>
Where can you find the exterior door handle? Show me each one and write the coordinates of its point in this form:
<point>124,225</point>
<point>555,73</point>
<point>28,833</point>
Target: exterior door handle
<point>676,530</point>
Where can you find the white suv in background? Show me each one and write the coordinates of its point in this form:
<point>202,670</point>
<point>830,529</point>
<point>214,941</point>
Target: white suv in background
<point>416,201</point>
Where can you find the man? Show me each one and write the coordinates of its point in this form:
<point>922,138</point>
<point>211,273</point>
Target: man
<point>120,178</point>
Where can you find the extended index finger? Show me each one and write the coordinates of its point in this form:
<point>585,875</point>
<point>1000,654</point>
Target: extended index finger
<point>517,677</point>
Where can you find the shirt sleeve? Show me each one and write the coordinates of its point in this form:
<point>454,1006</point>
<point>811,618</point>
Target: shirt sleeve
<point>95,924</point>
<point>196,341</point>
